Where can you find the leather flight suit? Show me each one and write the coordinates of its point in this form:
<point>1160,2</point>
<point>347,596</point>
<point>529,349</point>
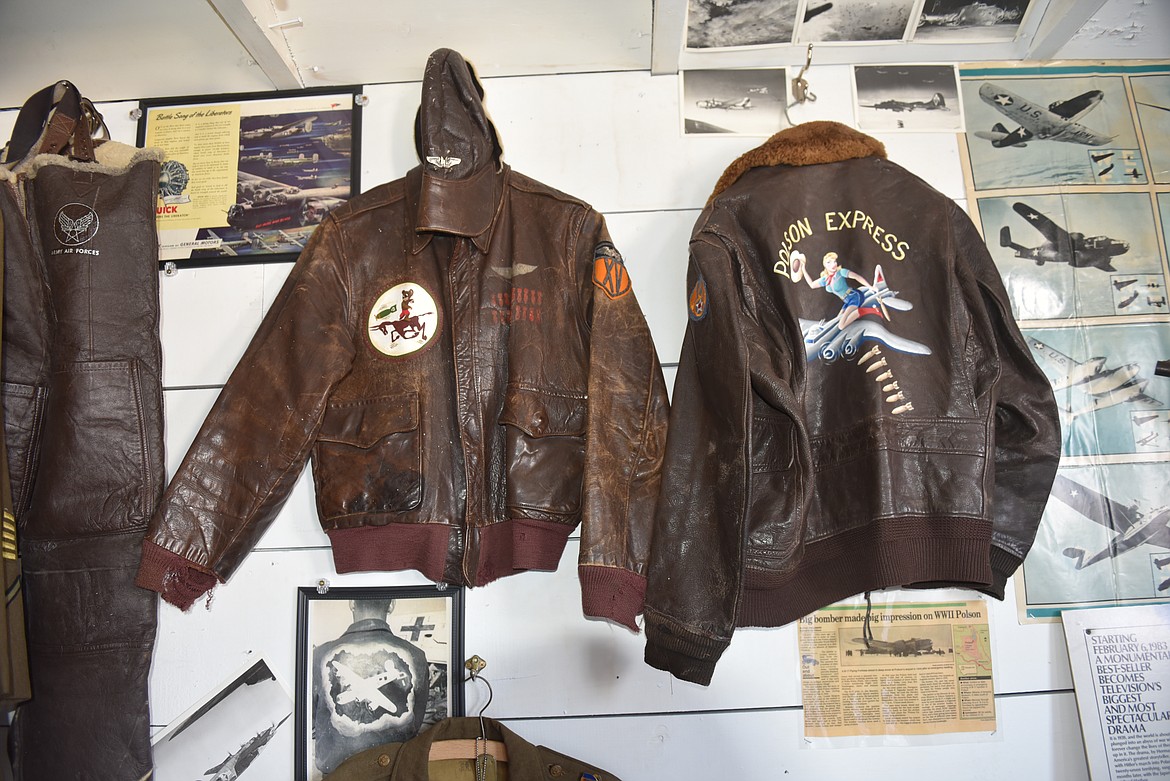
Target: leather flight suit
<point>83,424</point>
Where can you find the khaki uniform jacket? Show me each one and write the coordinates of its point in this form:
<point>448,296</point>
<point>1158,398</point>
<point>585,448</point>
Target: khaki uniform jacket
<point>409,761</point>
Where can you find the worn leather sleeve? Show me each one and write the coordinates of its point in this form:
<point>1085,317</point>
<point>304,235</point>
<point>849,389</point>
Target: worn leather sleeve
<point>625,438</point>
<point>1027,423</point>
<point>253,444</point>
<point>696,568</point>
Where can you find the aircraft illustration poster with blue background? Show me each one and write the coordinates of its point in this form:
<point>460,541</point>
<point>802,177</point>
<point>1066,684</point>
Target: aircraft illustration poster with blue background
<point>1068,177</point>
<point>1076,255</point>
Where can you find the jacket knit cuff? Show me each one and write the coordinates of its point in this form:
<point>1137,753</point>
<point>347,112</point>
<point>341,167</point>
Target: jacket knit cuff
<point>680,652</point>
<point>613,593</point>
<point>1003,566</point>
<point>178,580</point>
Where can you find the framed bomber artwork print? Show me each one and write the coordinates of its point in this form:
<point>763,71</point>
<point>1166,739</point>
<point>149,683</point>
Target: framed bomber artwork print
<point>374,666</point>
<point>247,178</point>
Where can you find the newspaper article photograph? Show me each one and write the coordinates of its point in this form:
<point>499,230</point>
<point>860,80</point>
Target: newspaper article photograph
<point>898,669</point>
<point>744,102</point>
<point>1076,255</point>
<point>907,98</point>
<point>1048,131</point>
<point>240,727</point>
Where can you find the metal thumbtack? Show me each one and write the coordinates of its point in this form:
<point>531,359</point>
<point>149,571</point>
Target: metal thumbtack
<point>322,586</point>
<point>361,100</point>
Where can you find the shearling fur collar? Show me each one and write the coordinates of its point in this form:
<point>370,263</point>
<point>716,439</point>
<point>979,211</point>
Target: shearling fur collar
<point>809,143</point>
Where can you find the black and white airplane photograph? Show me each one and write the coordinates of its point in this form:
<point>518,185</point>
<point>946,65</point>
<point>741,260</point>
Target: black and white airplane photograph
<point>745,102</point>
<point>1103,380</point>
<point>722,24</point>
<point>1105,537</point>
<point>1151,95</point>
<point>907,98</point>
<point>970,21</point>
<point>885,644</point>
<point>857,20</point>
<point>239,732</point>
<point>1058,254</point>
<point>1033,132</point>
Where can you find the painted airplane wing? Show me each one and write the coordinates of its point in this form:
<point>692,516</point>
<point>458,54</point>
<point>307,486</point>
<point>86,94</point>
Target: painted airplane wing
<point>218,767</point>
<point>1051,231</point>
<point>1075,108</point>
<point>1093,505</point>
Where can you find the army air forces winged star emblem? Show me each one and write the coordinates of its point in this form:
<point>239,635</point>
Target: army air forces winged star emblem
<point>76,224</point>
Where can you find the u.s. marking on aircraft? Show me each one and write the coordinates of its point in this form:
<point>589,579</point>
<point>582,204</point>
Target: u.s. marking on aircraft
<point>1054,122</point>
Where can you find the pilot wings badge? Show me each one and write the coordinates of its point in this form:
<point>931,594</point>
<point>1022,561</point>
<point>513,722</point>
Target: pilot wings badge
<point>76,224</point>
<point>444,162</point>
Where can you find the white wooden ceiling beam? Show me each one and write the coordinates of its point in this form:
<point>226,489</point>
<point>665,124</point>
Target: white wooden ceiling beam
<point>670,17</point>
<point>264,45</point>
<point>1062,19</point>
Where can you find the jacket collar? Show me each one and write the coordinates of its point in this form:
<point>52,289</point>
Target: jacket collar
<point>412,758</point>
<point>809,143</point>
<point>459,207</point>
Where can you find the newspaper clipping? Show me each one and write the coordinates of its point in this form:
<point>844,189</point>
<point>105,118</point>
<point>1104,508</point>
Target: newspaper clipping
<point>912,668</point>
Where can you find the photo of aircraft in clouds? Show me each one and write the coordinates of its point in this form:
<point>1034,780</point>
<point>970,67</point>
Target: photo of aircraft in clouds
<point>1055,122</point>
<point>237,762</point>
<point>937,103</point>
<point>1060,246</point>
<point>1132,526</point>
<point>1103,387</point>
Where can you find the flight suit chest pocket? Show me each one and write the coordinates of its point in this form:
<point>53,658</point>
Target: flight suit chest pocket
<point>774,512</point>
<point>368,457</point>
<point>545,449</point>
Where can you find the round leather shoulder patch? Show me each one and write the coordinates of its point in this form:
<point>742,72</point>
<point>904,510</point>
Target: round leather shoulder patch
<point>403,320</point>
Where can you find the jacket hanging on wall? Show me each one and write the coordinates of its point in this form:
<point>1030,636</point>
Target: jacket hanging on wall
<point>415,760</point>
<point>15,686</point>
<point>462,356</point>
<point>855,406</point>
<point>83,425</point>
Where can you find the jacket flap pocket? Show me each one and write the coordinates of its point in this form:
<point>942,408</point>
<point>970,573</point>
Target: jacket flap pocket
<point>362,423</point>
<point>540,414</point>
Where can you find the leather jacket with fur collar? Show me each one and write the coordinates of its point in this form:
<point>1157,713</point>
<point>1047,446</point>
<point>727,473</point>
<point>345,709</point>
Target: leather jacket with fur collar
<point>854,409</point>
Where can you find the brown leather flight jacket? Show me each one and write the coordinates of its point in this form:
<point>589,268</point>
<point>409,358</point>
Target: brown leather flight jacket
<point>461,355</point>
<point>866,417</point>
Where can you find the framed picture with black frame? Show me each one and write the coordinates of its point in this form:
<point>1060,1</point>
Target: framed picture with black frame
<point>248,177</point>
<point>374,665</point>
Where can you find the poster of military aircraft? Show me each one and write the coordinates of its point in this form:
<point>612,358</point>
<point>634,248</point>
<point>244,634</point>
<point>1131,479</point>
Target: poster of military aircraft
<point>907,97</point>
<point>1102,377</point>
<point>236,728</point>
<point>1041,131</point>
<point>1104,540</point>
<point>1151,96</point>
<point>1059,246</point>
<point>293,163</point>
<point>1060,254</point>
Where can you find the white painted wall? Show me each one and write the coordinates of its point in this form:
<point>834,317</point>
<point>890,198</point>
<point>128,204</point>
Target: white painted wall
<point>576,685</point>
